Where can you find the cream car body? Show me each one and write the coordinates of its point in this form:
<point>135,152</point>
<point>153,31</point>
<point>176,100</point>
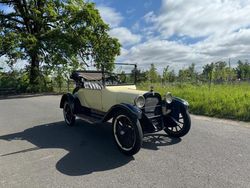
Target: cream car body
<point>108,96</point>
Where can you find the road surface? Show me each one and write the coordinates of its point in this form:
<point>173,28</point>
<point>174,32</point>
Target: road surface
<point>38,150</point>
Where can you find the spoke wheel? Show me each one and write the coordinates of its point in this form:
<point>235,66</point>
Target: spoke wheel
<point>69,117</point>
<point>179,126</point>
<point>127,134</point>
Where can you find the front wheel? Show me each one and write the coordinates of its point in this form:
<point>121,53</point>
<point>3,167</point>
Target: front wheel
<point>127,134</point>
<point>178,126</point>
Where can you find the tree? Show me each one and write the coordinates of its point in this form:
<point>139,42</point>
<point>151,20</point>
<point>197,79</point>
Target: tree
<point>220,71</point>
<point>171,76</point>
<point>140,75</point>
<point>188,74</point>
<point>183,75</point>
<point>167,75</point>
<point>152,74</point>
<point>55,32</point>
<point>123,77</point>
<point>192,73</point>
<point>243,70</point>
<point>208,70</point>
<point>230,74</point>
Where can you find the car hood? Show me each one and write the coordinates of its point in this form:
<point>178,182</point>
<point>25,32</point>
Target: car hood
<point>125,94</point>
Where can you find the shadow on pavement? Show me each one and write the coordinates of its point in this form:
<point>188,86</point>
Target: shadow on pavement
<point>90,147</point>
<point>153,141</point>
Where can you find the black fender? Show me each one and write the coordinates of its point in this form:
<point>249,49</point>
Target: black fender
<point>180,103</point>
<point>69,97</point>
<point>134,111</point>
<point>176,106</point>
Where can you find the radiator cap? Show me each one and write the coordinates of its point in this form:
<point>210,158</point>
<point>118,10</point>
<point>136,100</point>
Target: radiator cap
<point>151,88</point>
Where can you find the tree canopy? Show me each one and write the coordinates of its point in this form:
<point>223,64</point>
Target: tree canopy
<point>152,74</point>
<point>55,32</point>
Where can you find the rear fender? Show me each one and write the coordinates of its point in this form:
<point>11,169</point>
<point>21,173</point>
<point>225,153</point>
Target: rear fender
<point>133,111</point>
<point>67,97</point>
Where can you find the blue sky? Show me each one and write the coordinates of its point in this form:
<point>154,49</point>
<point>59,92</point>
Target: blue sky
<point>131,10</point>
<point>178,32</point>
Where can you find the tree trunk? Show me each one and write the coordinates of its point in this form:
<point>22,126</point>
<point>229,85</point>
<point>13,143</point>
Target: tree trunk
<point>34,70</point>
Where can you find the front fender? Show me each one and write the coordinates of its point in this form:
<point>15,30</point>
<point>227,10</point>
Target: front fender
<point>180,102</point>
<point>134,111</point>
<point>176,106</point>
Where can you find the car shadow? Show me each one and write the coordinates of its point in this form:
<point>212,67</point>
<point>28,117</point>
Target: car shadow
<point>90,147</point>
<point>154,140</point>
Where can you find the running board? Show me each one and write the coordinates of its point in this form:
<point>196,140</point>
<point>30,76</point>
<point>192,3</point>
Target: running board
<point>89,119</point>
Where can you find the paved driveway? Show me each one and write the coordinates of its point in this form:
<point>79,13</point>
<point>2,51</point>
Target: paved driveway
<point>38,150</point>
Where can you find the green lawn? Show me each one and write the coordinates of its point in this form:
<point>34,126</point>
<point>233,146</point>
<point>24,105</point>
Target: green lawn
<point>230,101</point>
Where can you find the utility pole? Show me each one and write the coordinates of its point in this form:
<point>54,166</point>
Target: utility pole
<point>229,64</point>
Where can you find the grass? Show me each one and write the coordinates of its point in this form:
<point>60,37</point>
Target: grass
<point>231,101</point>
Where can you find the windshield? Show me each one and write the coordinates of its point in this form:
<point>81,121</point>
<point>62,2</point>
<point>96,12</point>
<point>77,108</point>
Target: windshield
<point>120,79</point>
<point>124,74</point>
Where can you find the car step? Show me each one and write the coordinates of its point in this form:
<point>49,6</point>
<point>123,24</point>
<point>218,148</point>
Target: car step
<point>89,119</point>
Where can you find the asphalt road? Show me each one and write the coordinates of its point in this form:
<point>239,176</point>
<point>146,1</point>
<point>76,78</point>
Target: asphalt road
<point>38,150</point>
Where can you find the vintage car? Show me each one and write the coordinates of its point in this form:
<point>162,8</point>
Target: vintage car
<point>100,96</point>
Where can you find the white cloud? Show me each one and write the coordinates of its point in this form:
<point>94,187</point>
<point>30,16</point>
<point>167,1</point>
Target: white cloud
<point>110,15</point>
<point>161,53</point>
<point>200,18</point>
<point>235,44</point>
<point>136,26</point>
<point>114,18</point>
<point>130,11</point>
<point>150,17</point>
<point>125,36</point>
<point>178,55</point>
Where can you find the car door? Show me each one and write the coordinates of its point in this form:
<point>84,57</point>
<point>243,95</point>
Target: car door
<point>91,98</point>
<point>108,98</point>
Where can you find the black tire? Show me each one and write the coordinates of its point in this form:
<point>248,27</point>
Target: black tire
<point>180,127</point>
<point>69,117</point>
<point>127,134</point>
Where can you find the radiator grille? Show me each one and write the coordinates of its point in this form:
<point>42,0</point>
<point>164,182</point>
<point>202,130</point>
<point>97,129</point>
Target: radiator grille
<point>153,110</point>
<point>152,106</point>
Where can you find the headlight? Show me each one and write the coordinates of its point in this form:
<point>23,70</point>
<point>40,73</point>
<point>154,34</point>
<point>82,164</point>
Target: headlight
<point>186,103</point>
<point>140,101</point>
<point>168,98</point>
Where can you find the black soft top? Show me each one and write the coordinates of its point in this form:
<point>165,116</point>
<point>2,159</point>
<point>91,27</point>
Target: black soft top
<point>87,75</point>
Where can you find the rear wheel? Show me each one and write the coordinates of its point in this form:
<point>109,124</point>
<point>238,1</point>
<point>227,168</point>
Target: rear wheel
<point>127,134</point>
<point>69,117</point>
<point>178,127</point>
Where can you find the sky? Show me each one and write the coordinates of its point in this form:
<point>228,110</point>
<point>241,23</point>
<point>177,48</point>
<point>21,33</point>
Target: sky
<point>177,33</point>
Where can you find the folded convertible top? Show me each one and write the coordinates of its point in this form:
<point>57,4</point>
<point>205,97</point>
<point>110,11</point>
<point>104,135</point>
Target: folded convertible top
<point>87,75</point>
